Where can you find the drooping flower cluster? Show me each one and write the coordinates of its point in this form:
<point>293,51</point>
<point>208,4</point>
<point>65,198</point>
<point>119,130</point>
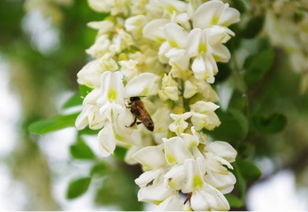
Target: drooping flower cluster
<point>286,25</point>
<point>166,53</point>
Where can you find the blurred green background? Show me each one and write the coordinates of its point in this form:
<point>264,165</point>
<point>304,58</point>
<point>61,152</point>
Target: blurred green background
<point>42,47</point>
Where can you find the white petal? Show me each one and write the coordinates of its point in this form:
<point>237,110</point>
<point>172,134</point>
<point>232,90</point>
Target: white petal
<point>218,34</point>
<point>113,89</point>
<point>182,116</point>
<point>106,140</point>
<point>194,42</point>
<point>204,107</point>
<point>194,177</point>
<point>175,35</point>
<point>221,53</point>
<point>199,202</point>
<point>175,150</point>
<point>175,177</point>
<point>229,16</point>
<point>172,203</point>
<point>147,177</point>
<point>144,84</point>
<point>150,157</point>
<point>209,198</point>
<point>189,89</point>
<point>223,182</point>
<point>190,140</point>
<point>198,66</point>
<point>90,74</point>
<point>155,29</point>
<point>102,26</point>
<point>82,120</point>
<point>157,192</point>
<point>206,14</point>
<point>222,149</point>
<point>129,155</point>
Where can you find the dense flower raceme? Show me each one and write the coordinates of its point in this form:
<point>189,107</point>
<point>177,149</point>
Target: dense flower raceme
<point>165,52</point>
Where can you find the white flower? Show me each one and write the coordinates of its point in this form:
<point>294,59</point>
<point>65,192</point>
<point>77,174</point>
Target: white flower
<point>153,188</point>
<point>154,30</point>
<point>103,27</point>
<point>205,46</point>
<point>218,155</point>
<point>112,94</point>
<point>161,121</point>
<point>135,24</point>
<point>144,84</point>
<point>90,115</point>
<point>214,13</point>
<point>179,124</point>
<point>166,7</point>
<point>194,86</point>
<point>129,68</point>
<point>176,151</point>
<point>207,198</point>
<point>121,41</point>
<point>162,49</point>
<point>113,6</point>
<point>204,116</point>
<point>172,203</point>
<point>169,88</point>
<point>100,47</point>
<point>90,75</point>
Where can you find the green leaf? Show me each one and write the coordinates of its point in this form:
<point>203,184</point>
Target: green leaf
<point>73,101</point>
<point>120,152</point>
<point>224,72</point>
<point>99,169</point>
<point>78,187</point>
<point>254,26</point>
<point>234,126</point>
<point>234,201</point>
<point>118,189</point>
<point>273,123</point>
<point>257,65</point>
<point>241,184</point>
<point>80,150</point>
<point>59,122</point>
<point>249,170</point>
<point>88,131</point>
<point>84,90</point>
<point>240,5</point>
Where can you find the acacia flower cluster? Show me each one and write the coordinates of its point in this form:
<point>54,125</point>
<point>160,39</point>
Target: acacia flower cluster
<point>166,53</point>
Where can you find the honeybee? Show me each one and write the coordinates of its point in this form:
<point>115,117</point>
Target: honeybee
<point>138,110</point>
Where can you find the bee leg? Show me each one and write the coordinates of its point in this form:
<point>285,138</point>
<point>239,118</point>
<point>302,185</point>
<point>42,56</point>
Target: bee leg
<point>188,197</point>
<point>128,106</point>
<point>134,122</point>
<point>138,122</point>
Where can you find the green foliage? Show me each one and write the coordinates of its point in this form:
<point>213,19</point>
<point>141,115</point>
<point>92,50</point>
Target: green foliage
<point>118,189</point>
<point>224,72</point>
<point>77,187</point>
<point>234,126</point>
<point>248,169</point>
<point>84,90</point>
<point>74,100</point>
<point>99,169</point>
<point>240,5</point>
<point>234,201</point>
<point>246,172</point>
<point>257,65</point>
<point>59,122</point>
<point>253,27</point>
<point>120,152</point>
<point>273,123</point>
<point>80,150</point>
